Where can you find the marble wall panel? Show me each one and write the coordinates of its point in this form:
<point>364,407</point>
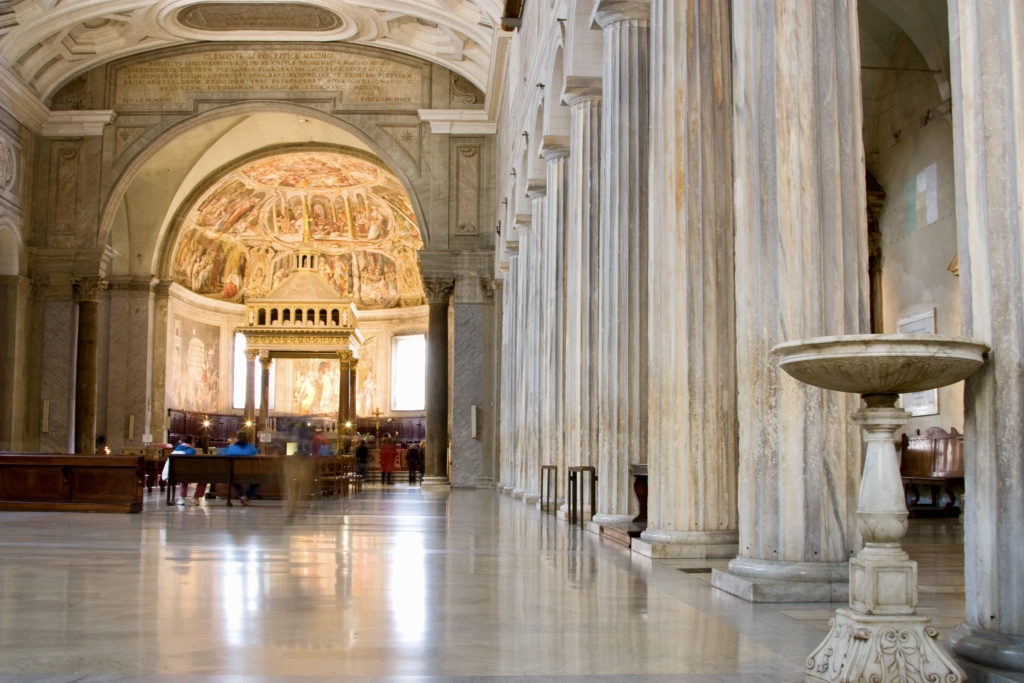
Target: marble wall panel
<point>58,373</point>
<point>467,393</point>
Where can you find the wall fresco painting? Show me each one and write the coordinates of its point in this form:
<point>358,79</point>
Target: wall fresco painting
<point>194,377</point>
<point>366,379</point>
<point>234,243</point>
<point>314,385</point>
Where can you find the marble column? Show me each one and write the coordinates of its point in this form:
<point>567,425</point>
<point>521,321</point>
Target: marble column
<point>583,95</point>
<point>493,291</point>
<point>801,271</point>
<point>88,291</point>
<point>509,369</point>
<point>156,423</point>
<point>692,458</point>
<point>251,356</point>
<point>129,365</point>
<point>985,40</point>
<point>555,151</point>
<point>523,361</point>
<point>622,276</point>
<point>439,293</point>
<point>15,294</point>
<point>263,424</point>
<point>346,388</point>
<point>537,340</point>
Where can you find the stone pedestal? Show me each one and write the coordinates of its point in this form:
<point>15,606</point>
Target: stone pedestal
<point>622,274</point>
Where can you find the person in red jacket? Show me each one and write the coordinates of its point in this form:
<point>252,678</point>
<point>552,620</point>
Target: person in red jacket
<point>388,452</point>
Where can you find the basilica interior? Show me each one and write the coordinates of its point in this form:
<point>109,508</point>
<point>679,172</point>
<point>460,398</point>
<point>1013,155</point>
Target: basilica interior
<point>709,315</point>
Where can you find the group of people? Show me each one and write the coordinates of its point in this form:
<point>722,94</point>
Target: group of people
<point>391,460</point>
<point>240,446</point>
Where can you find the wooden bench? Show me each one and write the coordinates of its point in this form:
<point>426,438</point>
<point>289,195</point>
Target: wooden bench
<point>69,482</point>
<point>933,461</point>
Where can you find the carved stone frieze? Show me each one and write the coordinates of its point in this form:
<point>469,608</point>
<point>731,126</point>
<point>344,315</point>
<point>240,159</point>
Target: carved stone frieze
<point>438,289</point>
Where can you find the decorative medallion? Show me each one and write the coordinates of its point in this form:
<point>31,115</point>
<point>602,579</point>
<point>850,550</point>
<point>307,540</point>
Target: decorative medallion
<point>258,16</point>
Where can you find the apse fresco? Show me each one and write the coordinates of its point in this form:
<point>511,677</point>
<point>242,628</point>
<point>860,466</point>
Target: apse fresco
<point>194,377</point>
<point>236,240</point>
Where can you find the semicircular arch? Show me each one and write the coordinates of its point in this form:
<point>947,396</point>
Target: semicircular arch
<point>371,138</point>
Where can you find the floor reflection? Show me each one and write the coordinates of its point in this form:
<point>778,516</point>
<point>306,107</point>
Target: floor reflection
<point>393,582</point>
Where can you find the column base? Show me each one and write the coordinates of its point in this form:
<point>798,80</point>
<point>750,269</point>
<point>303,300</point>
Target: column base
<point>986,655</point>
<point>518,493</point>
<point>531,497</point>
<point>883,583</point>
<point>435,481</point>
<point>861,647</point>
<point>672,545</point>
<point>768,581</point>
<point>605,518</point>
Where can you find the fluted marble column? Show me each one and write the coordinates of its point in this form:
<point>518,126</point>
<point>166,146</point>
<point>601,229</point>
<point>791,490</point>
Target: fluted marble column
<point>554,151</point>
<point>522,441</point>
<point>509,366</point>
<point>692,459</point>
<point>538,341</point>
<point>87,294</point>
<point>985,40</point>
<point>801,271</point>
<point>439,293</point>
<point>622,290</point>
<point>583,95</point>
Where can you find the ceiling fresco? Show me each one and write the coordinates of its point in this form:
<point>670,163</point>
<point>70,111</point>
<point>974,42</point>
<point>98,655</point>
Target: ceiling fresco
<point>237,239</point>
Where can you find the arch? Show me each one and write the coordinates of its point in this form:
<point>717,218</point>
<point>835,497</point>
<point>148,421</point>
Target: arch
<point>385,150</point>
<point>558,121</point>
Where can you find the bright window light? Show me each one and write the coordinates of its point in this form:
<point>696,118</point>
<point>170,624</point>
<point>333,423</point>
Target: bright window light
<point>240,367</point>
<point>408,370</point>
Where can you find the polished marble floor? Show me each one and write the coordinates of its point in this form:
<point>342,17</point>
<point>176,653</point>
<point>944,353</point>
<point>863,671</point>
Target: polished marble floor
<point>392,584</point>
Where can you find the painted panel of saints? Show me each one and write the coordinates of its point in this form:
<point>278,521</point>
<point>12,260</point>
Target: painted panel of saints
<point>195,372</point>
<point>314,386</point>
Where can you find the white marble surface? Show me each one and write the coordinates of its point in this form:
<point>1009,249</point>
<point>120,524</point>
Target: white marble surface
<point>398,582</point>
<point>467,392</point>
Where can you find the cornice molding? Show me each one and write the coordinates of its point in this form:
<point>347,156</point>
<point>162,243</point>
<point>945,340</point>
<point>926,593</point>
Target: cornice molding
<point>459,121</point>
<point>78,123</point>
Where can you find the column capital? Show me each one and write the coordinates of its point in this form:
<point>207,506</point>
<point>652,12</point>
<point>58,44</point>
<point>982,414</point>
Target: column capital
<point>536,189</point>
<point>487,286</point>
<point>345,357</point>
<point>438,289</point>
<point>608,12</point>
<point>579,89</point>
<point>265,361</point>
<point>89,288</point>
<point>252,355</point>
<point>554,147</point>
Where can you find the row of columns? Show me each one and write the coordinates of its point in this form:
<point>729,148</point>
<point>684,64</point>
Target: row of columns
<point>739,224</point>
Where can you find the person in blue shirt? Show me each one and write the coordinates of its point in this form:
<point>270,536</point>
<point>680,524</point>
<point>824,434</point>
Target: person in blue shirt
<point>241,446</point>
<point>184,447</point>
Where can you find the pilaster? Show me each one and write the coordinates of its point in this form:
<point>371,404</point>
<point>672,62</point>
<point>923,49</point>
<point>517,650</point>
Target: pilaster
<point>129,366</point>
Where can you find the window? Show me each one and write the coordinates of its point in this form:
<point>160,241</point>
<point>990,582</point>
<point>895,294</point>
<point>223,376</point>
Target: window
<point>240,366</point>
<point>408,368</point>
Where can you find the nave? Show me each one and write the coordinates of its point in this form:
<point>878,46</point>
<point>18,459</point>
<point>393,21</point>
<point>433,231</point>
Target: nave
<point>394,583</point>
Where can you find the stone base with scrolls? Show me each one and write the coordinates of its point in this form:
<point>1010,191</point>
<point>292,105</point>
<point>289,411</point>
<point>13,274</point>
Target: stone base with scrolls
<point>861,647</point>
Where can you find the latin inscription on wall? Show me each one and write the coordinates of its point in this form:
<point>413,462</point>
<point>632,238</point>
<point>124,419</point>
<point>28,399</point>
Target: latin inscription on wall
<point>355,78</point>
